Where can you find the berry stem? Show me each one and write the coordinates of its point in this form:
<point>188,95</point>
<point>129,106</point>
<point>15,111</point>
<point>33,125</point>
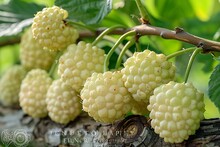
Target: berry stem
<point>178,53</point>
<point>189,66</point>
<point>126,47</point>
<point>54,65</point>
<point>105,32</point>
<point>143,12</point>
<point>106,63</point>
<point>112,40</point>
<point>138,48</point>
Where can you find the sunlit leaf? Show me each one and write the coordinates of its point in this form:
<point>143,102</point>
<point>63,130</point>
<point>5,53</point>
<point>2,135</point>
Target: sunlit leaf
<point>211,110</point>
<point>151,7</point>
<point>43,2</point>
<point>203,9</point>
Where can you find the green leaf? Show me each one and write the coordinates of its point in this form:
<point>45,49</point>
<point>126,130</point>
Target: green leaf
<point>214,86</point>
<point>17,10</point>
<point>151,7</point>
<point>9,55</point>
<point>48,3</point>
<point>14,16</point>
<point>118,4</point>
<point>169,10</point>
<point>86,11</point>
<point>207,61</point>
<point>203,10</point>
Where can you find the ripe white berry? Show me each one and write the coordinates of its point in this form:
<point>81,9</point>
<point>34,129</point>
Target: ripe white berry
<point>176,110</point>
<point>145,71</point>
<point>79,62</point>
<point>105,98</point>
<point>10,85</point>
<point>63,102</point>
<point>32,55</point>
<point>33,93</point>
<point>51,31</point>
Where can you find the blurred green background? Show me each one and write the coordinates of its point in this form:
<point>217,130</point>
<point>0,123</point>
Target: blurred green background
<point>198,17</point>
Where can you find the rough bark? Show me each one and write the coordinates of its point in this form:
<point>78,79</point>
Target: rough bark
<point>134,130</point>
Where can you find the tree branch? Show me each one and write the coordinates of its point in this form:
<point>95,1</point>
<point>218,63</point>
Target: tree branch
<point>179,34</point>
<point>141,30</point>
<point>10,41</point>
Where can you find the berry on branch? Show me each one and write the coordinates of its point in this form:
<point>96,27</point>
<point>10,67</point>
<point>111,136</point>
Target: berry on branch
<point>32,55</point>
<point>79,62</point>
<point>105,98</point>
<point>63,103</point>
<point>145,71</point>
<point>51,31</point>
<point>33,93</point>
<point>10,85</point>
<point>176,110</point>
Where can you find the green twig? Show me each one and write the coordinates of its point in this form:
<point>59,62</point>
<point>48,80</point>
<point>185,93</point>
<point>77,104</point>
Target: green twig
<point>120,46</point>
<point>189,66</point>
<point>126,47</point>
<point>180,52</point>
<point>104,33</point>
<point>138,48</point>
<point>54,65</point>
<point>143,12</point>
<point>107,58</point>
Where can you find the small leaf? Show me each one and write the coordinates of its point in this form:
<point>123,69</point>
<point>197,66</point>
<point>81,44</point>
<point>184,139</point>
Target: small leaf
<point>214,86</point>
<point>86,11</point>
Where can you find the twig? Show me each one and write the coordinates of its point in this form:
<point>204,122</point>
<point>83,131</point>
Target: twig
<point>189,66</point>
<point>86,34</point>
<point>179,34</point>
